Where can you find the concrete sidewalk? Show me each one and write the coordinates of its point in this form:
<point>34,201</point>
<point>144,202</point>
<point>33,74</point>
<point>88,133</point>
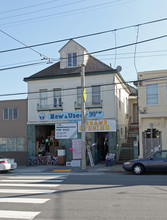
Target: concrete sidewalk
<point>46,168</point>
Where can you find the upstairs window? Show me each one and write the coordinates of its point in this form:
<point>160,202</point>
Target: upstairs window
<point>43,98</point>
<point>152,94</point>
<point>57,98</point>
<point>10,114</point>
<point>96,98</point>
<point>72,59</point>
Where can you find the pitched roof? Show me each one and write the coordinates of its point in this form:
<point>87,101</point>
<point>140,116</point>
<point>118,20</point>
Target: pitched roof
<point>93,66</point>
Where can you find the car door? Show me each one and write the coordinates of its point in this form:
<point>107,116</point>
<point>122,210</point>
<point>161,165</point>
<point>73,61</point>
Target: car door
<point>157,162</point>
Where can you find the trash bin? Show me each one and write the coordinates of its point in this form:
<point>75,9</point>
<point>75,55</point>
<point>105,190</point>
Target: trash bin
<point>61,157</point>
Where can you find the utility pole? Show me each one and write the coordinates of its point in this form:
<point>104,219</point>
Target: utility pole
<point>83,116</point>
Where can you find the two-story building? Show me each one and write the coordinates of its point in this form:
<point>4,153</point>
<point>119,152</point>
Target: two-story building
<point>54,104</point>
<point>13,130</point>
<point>152,88</point>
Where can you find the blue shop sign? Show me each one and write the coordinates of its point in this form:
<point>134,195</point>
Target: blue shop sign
<point>75,115</point>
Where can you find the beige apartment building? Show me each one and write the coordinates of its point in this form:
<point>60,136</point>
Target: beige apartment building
<point>152,90</point>
<point>13,130</point>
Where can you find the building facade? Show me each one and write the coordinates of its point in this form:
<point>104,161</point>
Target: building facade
<point>54,105</point>
<point>13,130</point>
<point>152,87</point>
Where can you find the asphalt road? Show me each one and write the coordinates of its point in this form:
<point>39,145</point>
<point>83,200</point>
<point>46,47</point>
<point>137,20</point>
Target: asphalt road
<point>85,196</point>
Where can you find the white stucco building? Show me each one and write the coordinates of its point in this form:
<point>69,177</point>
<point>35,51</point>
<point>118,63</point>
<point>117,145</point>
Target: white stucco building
<point>54,97</point>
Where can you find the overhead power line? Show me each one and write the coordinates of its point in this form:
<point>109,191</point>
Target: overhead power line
<point>31,6</point>
<point>84,36</point>
<point>101,51</point>
<point>43,56</point>
<point>74,88</point>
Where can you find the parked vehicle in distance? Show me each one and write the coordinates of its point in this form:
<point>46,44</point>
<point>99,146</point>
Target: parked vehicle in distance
<point>7,164</point>
<point>157,162</point>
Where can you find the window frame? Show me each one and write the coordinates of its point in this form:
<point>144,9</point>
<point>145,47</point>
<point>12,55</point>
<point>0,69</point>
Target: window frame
<point>45,98</point>
<point>72,59</point>
<point>96,95</point>
<point>10,114</point>
<point>58,98</point>
<point>153,94</point>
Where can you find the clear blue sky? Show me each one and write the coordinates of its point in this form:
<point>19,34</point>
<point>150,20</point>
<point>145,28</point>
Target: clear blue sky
<point>39,21</point>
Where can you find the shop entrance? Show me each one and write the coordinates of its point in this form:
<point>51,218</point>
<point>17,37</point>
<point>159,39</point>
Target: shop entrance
<point>102,145</point>
<point>45,140</point>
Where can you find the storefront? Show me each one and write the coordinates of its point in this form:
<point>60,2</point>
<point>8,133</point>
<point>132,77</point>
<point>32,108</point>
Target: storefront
<point>66,127</point>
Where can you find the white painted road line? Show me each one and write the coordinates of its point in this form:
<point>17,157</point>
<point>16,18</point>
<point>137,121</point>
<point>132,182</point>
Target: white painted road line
<point>18,214</point>
<point>23,200</point>
<point>26,191</point>
<point>37,177</point>
<point>31,181</point>
<point>30,185</point>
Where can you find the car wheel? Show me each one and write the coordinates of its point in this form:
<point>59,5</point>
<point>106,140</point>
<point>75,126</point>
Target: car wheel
<point>138,169</point>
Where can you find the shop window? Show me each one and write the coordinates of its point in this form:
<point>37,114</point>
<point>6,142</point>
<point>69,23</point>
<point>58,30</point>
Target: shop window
<point>72,59</point>
<point>10,114</point>
<point>96,98</point>
<point>12,144</point>
<point>57,98</point>
<point>152,94</point>
<point>43,98</point>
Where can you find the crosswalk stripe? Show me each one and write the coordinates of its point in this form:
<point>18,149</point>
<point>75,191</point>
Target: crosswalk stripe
<point>27,191</point>
<point>18,214</point>
<point>38,174</point>
<point>30,185</point>
<point>24,200</point>
<point>36,177</point>
<point>31,181</point>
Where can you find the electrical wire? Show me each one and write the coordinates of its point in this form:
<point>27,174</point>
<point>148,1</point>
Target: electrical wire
<point>41,55</point>
<point>86,35</point>
<point>31,6</point>
<point>61,13</point>
<point>107,84</point>
<point>108,49</point>
<point>40,10</point>
<point>137,36</point>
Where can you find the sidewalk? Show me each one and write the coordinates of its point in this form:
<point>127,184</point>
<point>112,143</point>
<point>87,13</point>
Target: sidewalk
<point>45,168</point>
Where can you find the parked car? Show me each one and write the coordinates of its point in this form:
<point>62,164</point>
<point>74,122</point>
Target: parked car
<point>7,164</point>
<point>157,162</point>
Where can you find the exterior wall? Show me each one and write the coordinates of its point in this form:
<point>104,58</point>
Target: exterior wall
<point>132,101</point>
<point>153,116</point>
<point>14,128</point>
<point>122,110</point>
<point>72,47</point>
<point>69,96</point>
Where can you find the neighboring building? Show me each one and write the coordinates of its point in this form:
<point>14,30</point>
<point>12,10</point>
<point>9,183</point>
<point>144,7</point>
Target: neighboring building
<point>152,87</point>
<point>55,98</point>
<point>13,130</point>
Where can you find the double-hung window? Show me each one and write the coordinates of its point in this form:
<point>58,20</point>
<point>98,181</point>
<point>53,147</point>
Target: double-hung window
<point>43,98</point>
<point>152,94</point>
<point>57,98</point>
<point>72,59</point>
<point>96,97</point>
<point>10,114</point>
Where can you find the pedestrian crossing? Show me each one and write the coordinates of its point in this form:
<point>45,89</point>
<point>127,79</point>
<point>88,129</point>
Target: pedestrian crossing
<point>27,189</point>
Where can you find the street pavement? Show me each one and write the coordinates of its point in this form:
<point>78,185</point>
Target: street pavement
<point>56,168</point>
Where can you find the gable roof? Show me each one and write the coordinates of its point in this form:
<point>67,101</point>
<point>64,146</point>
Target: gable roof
<point>94,66</point>
<point>69,42</point>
